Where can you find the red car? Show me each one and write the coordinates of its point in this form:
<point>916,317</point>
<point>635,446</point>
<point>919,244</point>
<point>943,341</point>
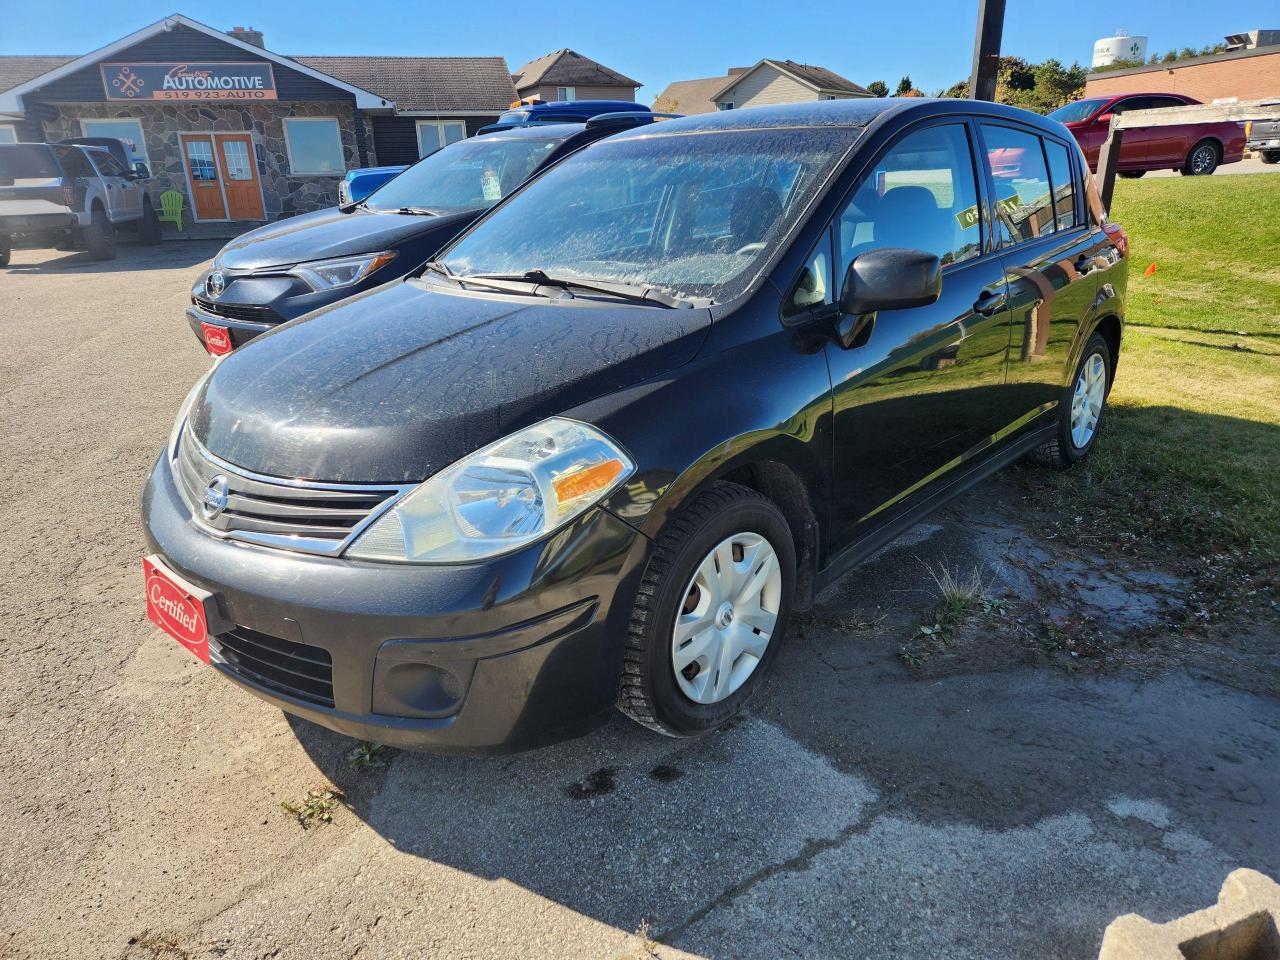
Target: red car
<point>1195,149</point>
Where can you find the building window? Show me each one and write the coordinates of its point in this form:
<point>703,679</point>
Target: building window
<point>566,93</point>
<point>130,131</point>
<point>8,133</point>
<point>434,134</point>
<point>724,105</point>
<point>314,146</point>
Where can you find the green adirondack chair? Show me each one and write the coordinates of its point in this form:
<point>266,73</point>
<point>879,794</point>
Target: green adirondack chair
<point>171,206</point>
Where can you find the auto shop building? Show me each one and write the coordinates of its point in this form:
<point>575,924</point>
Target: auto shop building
<point>244,134</point>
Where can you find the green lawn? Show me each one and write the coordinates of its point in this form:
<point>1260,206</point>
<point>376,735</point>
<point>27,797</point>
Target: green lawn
<point>1189,465</point>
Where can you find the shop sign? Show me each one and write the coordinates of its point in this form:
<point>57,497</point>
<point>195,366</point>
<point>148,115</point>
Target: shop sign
<point>188,81</point>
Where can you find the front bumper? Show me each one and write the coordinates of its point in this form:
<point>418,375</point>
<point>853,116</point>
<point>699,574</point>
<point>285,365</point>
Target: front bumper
<point>240,331</point>
<point>510,654</point>
<point>1265,143</point>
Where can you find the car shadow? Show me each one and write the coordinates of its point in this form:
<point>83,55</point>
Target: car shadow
<point>130,256</point>
<point>843,735</point>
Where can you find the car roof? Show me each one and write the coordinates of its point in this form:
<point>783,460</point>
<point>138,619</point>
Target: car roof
<point>854,113</point>
<point>537,131</point>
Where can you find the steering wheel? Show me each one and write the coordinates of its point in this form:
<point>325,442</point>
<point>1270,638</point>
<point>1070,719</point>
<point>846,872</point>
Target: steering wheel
<point>749,248</point>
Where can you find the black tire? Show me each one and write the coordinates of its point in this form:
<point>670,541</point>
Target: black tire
<point>649,693</point>
<point>6,251</point>
<point>1270,156</point>
<point>1131,174</point>
<point>149,225</point>
<point>1061,451</point>
<point>1203,159</point>
<point>100,236</point>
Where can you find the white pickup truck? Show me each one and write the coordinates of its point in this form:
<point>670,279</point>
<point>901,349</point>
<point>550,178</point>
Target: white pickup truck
<point>69,194</point>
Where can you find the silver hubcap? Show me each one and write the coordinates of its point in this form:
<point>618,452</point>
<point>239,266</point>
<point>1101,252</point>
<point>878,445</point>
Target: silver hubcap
<point>729,613</point>
<point>1086,402</point>
<point>1203,157</point>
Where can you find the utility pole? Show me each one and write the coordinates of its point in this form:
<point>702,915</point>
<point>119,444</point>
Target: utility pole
<point>986,50</point>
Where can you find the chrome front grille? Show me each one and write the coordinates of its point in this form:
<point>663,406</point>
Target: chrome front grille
<point>302,515</point>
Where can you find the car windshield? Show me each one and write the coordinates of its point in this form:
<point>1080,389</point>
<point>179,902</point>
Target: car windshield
<point>695,214</point>
<point>23,161</point>
<point>1075,112</point>
<point>466,175</point>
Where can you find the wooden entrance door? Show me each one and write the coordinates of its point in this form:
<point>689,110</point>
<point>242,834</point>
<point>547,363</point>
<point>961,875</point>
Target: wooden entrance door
<point>239,171</point>
<point>204,176</point>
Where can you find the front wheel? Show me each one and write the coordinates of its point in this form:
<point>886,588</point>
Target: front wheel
<point>1081,408</point>
<point>6,251</point>
<point>710,613</point>
<point>1202,160</point>
<point>1270,156</point>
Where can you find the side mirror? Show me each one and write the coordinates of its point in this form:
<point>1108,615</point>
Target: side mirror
<point>1104,120</point>
<point>140,171</point>
<point>891,278</point>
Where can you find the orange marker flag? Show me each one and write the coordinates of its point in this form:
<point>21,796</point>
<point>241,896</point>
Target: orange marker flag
<point>1150,271</point>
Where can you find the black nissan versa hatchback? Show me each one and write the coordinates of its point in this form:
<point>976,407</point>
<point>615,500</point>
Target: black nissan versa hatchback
<point>601,449</point>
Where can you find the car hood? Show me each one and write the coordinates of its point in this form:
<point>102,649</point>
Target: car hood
<point>393,385</point>
<point>329,233</point>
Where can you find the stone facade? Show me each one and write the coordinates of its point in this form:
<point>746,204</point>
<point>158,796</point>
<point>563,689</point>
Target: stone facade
<point>284,194</point>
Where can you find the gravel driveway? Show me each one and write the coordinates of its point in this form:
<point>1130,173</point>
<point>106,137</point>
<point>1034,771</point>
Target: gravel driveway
<point>858,810</point>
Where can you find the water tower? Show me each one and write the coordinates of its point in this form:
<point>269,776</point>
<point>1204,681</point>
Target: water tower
<point>1120,47</point>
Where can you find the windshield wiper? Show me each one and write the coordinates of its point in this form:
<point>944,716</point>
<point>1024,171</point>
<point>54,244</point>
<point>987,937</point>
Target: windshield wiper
<point>348,207</point>
<point>635,292</point>
<point>435,266</point>
<point>417,212</point>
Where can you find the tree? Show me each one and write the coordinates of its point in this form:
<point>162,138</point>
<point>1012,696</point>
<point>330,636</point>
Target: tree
<point>904,87</point>
<point>1040,87</point>
<point>878,88</point>
<point>957,91</point>
<point>665,105</point>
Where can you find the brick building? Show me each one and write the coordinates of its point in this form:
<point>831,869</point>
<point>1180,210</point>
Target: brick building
<point>1249,74</point>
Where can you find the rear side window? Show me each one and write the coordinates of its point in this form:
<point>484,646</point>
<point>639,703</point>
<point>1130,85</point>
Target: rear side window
<point>107,165</point>
<point>1024,202</point>
<point>74,162</point>
<point>921,195</point>
<point>27,162</point>
<point>1063,183</point>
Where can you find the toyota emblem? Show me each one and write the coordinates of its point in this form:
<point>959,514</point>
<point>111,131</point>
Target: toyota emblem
<point>214,500</point>
<point>215,284</point>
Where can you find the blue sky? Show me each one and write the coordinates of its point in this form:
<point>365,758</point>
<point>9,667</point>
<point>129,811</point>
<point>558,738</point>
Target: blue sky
<point>657,41</point>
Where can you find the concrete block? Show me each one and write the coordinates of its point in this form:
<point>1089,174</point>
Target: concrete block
<point>1243,925</point>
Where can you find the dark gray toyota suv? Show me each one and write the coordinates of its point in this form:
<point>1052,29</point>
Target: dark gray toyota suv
<point>600,449</point>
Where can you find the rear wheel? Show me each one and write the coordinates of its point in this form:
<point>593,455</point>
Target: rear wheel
<point>711,612</point>
<point>1202,160</point>
<point>6,251</point>
<point>100,236</point>
<point>1270,156</point>
<point>1081,408</point>
<point>149,226</point>
<point>1131,174</point>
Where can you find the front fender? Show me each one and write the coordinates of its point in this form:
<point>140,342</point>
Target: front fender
<point>762,401</point>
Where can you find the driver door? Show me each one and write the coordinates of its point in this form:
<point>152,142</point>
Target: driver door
<point>922,392</point>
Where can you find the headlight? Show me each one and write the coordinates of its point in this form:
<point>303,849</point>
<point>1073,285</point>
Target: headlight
<point>343,271</point>
<point>502,497</point>
<point>185,409</point>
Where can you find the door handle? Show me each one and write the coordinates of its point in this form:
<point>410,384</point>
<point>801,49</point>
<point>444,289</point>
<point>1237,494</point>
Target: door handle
<point>988,303</point>
<point>1084,264</point>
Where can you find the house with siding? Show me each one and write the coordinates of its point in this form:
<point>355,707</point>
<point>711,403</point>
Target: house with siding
<point>245,134</point>
<point>769,81</point>
<point>568,75</point>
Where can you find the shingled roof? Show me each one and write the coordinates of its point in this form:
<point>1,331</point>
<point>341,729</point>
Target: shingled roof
<point>689,96</point>
<point>428,84</point>
<point>568,68</point>
<point>820,78</point>
<point>19,69</point>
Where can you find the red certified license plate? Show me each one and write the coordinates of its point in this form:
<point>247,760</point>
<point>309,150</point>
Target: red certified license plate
<point>177,607</point>
<point>217,340</point>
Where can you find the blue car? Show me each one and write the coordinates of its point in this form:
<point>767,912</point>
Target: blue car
<point>358,184</point>
<point>561,111</point>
